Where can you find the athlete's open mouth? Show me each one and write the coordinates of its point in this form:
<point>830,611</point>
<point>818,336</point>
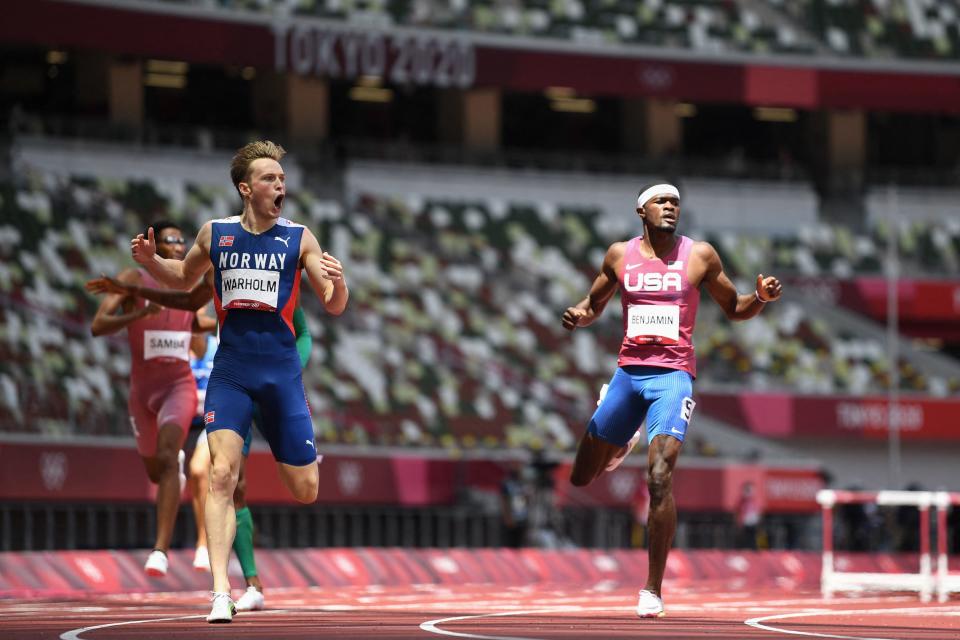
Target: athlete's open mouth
<point>278,201</point>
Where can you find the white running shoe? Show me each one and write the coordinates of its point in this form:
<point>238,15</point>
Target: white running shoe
<point>624,452</point>
<point>201,559</point>
<point>181,458</point>
<point>649,605</point>
<point>223,608</point>
<point>156,564</point>
<point>251,600</point>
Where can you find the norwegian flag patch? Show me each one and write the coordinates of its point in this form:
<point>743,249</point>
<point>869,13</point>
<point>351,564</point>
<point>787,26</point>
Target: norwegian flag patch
<point>225,241</point>
<point>208,417</point>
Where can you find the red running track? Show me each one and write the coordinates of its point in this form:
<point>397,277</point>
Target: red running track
<point>486,612</point>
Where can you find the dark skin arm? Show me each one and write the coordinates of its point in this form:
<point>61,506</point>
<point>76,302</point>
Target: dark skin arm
<point>107,321</point>
<point>721,289</point>
<point>604,286</point>
<point>197,297</point>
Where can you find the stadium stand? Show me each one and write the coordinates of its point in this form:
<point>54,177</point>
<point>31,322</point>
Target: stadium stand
<point>924,29</point>
<point>491,273</point>
<point>883,29</point>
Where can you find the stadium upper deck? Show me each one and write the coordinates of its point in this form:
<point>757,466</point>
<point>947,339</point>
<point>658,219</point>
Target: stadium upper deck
<point>921,29</point>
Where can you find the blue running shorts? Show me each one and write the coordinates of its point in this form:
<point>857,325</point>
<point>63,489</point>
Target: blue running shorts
<point>275,383</point>
<point>664,397</point>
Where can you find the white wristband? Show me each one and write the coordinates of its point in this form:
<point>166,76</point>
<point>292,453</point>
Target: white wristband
<point>759,299</point>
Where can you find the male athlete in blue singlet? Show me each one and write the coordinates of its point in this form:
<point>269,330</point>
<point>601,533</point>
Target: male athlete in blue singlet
<point>256,259</point>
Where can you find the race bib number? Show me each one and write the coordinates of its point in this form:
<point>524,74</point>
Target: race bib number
<point>166,344</point>
<point>654,324</point>
<point>255,289</point>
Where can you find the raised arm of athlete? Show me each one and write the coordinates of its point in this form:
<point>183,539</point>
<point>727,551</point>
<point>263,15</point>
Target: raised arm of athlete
<point>191,300</point>
<point>107,320</point>
<point>325,273</point>
<point>722,290</point>
<point>604,286</point>
<point>178,274</point>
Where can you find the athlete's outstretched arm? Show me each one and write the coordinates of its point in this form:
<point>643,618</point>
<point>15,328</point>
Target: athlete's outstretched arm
<point>721,289</point>
<point>589,309</point>
<point>107,320</point>
<point>325,273</point>
<point>191,300</point>
<point>178,274</point>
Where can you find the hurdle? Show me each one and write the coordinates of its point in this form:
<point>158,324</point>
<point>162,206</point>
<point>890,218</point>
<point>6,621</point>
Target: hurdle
<point>925,581</point>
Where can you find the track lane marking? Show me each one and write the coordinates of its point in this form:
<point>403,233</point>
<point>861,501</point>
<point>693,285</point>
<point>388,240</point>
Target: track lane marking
<point>74,634</point>
<point>757,623</point>
<point>431,625</point>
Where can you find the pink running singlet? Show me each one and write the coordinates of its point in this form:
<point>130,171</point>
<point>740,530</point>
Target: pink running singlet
<point>162,387</point>
<point>659,309</point>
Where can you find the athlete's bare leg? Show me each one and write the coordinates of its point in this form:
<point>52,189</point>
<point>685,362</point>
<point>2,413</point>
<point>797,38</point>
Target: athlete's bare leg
<point>163,470</point>
<point>225,458</point>
<point>662,520</point>
<point>302,482</point>
<point>593,456</point>
<point>199,481</point>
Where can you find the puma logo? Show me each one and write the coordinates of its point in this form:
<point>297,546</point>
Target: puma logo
<point>310,442</point>
<point>285,241</point>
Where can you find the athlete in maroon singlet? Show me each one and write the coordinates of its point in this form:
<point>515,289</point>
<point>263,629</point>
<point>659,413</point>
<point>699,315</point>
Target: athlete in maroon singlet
<point>163,393</point>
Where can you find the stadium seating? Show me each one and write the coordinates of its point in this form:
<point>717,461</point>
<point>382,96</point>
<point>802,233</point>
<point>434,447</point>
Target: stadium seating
<point>924,248</point>
<point>883,29</point>
<point>927,29</point>
<point>491,276</point>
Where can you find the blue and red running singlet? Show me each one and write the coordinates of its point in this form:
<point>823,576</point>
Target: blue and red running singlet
<point>256,286</point>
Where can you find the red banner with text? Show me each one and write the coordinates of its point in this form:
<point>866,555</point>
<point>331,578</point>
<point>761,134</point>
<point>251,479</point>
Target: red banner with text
<point>860,417</point>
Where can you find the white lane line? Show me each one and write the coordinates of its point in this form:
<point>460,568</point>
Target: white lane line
<point>74,634</point>
<point>757,623</point>
<point>431,625</point>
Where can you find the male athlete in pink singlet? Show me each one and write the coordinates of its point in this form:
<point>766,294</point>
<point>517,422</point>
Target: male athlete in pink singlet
<point>163,393</point>
<point>659,275</point>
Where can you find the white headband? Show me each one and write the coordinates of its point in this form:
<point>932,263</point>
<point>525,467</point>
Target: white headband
<point>656,190</point>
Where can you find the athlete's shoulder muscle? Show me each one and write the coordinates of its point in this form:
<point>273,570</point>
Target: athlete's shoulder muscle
<point>614,256</point>
<point>705,262</point>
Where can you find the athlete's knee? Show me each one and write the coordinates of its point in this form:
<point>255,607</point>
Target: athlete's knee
<point>164,463</point>
<point>659,483</point>
<point>154,469</point>
<point>306,487</point>
<point>592,457</point>
<point>580,477</point>
<point>198,471</point>
<point>223,477</point>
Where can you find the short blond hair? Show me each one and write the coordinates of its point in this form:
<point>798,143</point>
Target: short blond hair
<point>245,155</point>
